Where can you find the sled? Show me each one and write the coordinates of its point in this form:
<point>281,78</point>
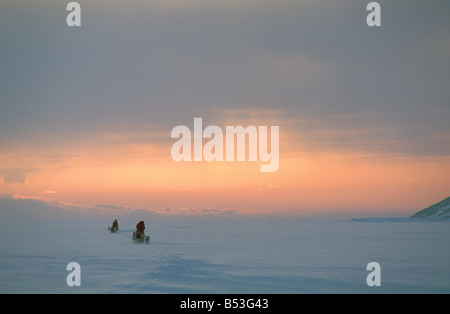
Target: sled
<point>142,239</point>
<point>113,229</point>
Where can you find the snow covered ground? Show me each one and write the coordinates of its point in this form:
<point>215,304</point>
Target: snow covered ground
<point>198,255</point>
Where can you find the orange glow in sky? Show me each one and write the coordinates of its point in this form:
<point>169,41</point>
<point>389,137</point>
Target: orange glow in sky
<point>143,175</point>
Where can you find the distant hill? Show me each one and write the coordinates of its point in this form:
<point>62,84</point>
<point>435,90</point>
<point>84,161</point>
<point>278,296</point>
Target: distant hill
<point>32,210</point>
<point>439,210</point>
<point>17,209</point>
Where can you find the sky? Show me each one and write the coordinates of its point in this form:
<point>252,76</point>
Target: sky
<point>86,113</point>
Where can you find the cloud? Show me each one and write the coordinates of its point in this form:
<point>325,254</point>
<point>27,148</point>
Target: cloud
<point>271,186</point>
<point>110,207</point>
<point>297,56</point>
<point>210,211</point>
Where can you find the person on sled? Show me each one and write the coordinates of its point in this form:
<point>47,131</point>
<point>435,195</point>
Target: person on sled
<point>140,227</point>
<point>115,226</point>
